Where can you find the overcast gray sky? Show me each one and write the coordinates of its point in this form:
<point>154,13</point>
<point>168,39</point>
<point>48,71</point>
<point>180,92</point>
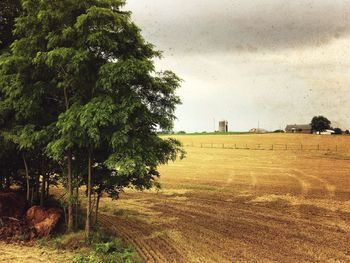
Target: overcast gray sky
<point>274,61</point>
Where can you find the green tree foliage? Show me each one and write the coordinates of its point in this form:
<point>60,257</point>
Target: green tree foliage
<point>9,158</point>
<point>79,90</point>
<point>320,123</point>
<point>9,10</point>
<point>338,131</point>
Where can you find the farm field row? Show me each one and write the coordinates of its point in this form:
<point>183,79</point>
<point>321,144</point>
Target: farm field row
<point>222,205</point>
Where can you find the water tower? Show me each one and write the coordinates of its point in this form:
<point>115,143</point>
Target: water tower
<point>223,126</point>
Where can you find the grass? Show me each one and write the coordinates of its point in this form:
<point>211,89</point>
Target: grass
<point>33,254</point>
<point>103,248</point>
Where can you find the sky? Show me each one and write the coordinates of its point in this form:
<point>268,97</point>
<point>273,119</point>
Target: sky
<point>264,62</point>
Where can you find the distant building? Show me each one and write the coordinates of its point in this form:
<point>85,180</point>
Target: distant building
<point>299,128</point>
<point>223,126</point>
<point>327,132</point>
<point>257,130</point>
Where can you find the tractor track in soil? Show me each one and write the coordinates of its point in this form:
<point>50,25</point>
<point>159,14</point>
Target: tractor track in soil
<point>153,249</point>
<point>200,224</point>
<point>242,206</point>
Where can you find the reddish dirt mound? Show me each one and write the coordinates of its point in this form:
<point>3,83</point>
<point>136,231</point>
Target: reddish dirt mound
<point>43,220</point>
<point>16,223</point>
<point>12,205</point>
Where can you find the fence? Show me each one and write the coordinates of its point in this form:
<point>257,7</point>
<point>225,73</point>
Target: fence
<point>271,147</point>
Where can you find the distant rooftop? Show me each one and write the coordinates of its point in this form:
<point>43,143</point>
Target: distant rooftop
<point>299,126</point>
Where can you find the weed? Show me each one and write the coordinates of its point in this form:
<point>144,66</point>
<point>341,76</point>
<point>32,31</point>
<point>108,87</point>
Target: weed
<point>102,249</point>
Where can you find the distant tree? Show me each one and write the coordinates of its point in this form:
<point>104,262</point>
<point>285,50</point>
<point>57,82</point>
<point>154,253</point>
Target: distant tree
<point>338,131</point>
<point>320,123</point>
<point>181,132</point>
<point>279,131</point>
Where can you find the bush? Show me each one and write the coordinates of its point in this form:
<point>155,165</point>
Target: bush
<point>102,249</point>
<point>112,251</point>
<point>338,131</point>
<point>70,241</point>
<point>84,259</point>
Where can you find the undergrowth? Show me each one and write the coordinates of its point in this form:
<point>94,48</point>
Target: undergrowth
<point>102,248</point>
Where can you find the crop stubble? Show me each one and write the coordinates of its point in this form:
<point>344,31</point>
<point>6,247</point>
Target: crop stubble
<point>227,205</point>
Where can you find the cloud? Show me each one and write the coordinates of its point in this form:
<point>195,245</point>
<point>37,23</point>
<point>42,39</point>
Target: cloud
<point>275,89</point>
<point>241,26</point>
<point>276,62</point>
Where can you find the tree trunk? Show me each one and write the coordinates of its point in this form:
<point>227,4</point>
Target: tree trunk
<point>97,206</point>
<point>65,215</point>
<point>37,187</point>
<point>41,185</point>
<point>27,178</point>
<point>2,182</point>
<point>6,182</point>
<point>76,206</point>
<point>42,191</point>
<point>70,192</point>
<point>88,205</point>
<point>48,185</point>
<point>69,174</point>
<point>32,196</point>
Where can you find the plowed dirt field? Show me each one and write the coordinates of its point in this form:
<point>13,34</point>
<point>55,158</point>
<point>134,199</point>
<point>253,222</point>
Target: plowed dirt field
<point>243,205</point>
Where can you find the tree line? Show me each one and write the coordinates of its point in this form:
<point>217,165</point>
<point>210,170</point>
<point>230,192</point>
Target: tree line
<point>80,102</point>
<point>321,123</point>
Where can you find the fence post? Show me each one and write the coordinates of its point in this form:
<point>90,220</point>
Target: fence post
<point>286,146</point>
<point>318,147</point>
<point>272,147</point>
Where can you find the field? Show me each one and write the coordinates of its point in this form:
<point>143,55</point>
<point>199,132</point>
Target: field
<point>16,253</point>
<point>250,204</point>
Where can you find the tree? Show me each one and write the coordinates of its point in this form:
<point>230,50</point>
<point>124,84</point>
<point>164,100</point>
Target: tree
<point>338,131</point>
<point>9,159</point>
<point>9,10</point>
<point>81,76</point>
<point>10,162</point>
<point>320,123</point>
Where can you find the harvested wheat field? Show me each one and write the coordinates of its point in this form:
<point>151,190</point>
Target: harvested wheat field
<point>256,203</point>
<point>15,253</point>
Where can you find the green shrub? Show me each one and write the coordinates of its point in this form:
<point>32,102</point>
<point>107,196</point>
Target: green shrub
<point>84,259</point>
<point>102,249</point>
